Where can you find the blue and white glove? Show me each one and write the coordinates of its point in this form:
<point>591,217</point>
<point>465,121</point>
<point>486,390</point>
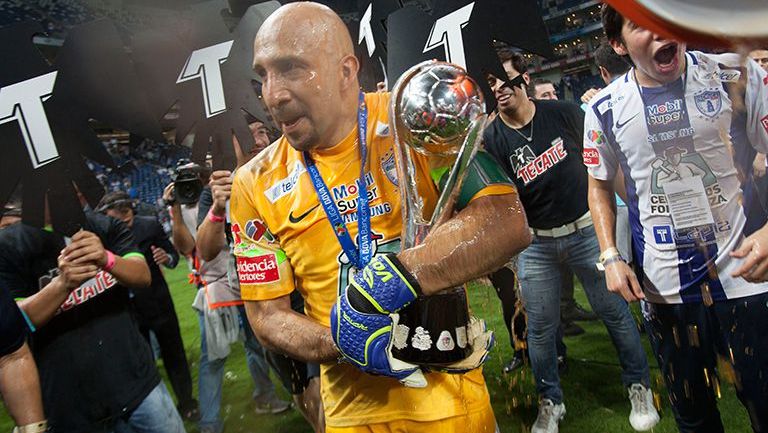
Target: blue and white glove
<point>361,324</point>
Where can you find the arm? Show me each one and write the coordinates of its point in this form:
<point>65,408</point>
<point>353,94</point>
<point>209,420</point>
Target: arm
<point>211,237</point>
<point>180,236</point>
<point>480,239</point>
<point>42,306</point>
<point>86,248</point>
<point>20,387</point>
<point>163,251</point>
<point>280,329</point>
<point>619,277</point>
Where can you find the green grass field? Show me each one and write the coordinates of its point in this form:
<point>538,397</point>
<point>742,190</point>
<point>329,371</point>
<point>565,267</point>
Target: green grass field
<point>594,397</point>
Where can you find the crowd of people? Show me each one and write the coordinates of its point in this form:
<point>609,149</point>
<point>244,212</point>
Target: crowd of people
<point>638,193</point>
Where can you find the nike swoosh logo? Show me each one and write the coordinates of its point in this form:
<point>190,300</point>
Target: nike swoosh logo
<point>620,125</point>
<point>296,220</point>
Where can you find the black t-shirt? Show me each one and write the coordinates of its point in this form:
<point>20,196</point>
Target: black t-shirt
<point>94,364</point>
<point>13,329</point>
<point>155,301</point>
<point>549,173</point>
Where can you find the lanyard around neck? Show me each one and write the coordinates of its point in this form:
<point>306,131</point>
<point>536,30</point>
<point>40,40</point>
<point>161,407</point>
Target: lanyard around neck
<point>358,258</point>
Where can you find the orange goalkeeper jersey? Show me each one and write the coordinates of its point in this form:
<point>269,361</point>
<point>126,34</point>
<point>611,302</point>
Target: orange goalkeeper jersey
<point>284,241</point>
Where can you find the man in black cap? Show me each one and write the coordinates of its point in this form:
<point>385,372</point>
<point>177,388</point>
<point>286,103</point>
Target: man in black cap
<point>154,307</point>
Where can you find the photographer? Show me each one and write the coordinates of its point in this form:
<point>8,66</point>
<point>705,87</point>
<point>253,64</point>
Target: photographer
<point>214,233</point>
<point>154,307</point>
<point>217,302</point>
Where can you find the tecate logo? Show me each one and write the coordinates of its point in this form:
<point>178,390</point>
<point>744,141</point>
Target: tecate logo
<point>258,270</point>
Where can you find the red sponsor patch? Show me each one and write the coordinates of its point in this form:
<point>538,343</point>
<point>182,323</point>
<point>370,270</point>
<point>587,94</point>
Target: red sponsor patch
<point>591,157</point>
<point>258,270</point>
<point>764,121</point>
<point>765,80</point>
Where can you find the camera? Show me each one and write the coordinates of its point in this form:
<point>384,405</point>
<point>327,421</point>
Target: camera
<point>187,183</point>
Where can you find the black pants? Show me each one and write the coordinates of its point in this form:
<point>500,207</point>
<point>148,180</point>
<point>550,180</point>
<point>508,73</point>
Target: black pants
<point>166,329</point>
<point>503,281</point>
<point>686,340</point>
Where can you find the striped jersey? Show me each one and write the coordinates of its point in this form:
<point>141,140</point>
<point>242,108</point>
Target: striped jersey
<point>686,153</point>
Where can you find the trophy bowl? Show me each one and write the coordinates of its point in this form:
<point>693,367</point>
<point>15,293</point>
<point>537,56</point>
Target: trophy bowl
<point>436,108</point>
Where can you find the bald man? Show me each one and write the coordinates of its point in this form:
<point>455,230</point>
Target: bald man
<point>298,205</point>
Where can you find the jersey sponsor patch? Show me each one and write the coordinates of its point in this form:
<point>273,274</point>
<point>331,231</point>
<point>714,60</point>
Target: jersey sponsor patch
<point>256,230</point>
<point>382,129</point>
<point>663,235</point>
<point>764,121</point>
<point>284,186</point>
<point>591,157</point>
<point>258,270</point>
<point>730,76</point>
<point>595,137</point>
<point>709,102</point>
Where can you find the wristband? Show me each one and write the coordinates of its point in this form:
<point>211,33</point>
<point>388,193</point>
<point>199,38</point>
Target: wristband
<point>110,261</point>
<point>37,427</point>
<point>609,253</point>
<point>215,218</point>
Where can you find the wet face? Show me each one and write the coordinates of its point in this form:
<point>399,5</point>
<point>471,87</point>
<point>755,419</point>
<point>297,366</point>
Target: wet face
<point>302,68</point>
<point>761,57</point>
<point>658,61</point>
<point>545,91</point>
<point>508,97</point>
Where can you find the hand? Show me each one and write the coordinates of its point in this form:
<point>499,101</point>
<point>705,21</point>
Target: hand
<point>758,165</point>
<point>364,338</point>
<point>621,279</point>
<point>71,276</point>
<point>221,189</point>
<point>160,256</point>
<point>588,95</point>
<point>168,194</point>
<point>86,248</point>
<point>754,250</point>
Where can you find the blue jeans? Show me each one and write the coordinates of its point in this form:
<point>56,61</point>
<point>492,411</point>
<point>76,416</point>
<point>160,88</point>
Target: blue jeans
<point>539,274</point>
<point>155,414</point>
<point>211,374</point>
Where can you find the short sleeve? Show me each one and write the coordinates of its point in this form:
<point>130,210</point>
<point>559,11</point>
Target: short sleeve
<point>263,269</point>
<point>598,155</point>
<point>756,99</point>
<point>13,329</point>
<point>484,178</point>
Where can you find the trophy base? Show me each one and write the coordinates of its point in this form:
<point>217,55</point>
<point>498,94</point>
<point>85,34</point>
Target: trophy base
<point>433,329</point>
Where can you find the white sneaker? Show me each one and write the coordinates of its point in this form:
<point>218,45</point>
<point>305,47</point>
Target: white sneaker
<point>549,416</point>
<point>643,416</point>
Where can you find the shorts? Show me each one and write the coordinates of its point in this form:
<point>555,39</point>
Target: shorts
<point>481,422</point>
<point>294,375</point>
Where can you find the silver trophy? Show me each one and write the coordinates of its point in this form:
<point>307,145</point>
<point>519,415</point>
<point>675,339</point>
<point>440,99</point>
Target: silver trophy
<point>437,116</point>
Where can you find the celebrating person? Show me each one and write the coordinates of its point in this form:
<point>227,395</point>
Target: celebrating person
<point>96,370</point>
<point>539,144</point>
<point>154,307</point>
<point>700,241</point>
<point>334,162</point>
